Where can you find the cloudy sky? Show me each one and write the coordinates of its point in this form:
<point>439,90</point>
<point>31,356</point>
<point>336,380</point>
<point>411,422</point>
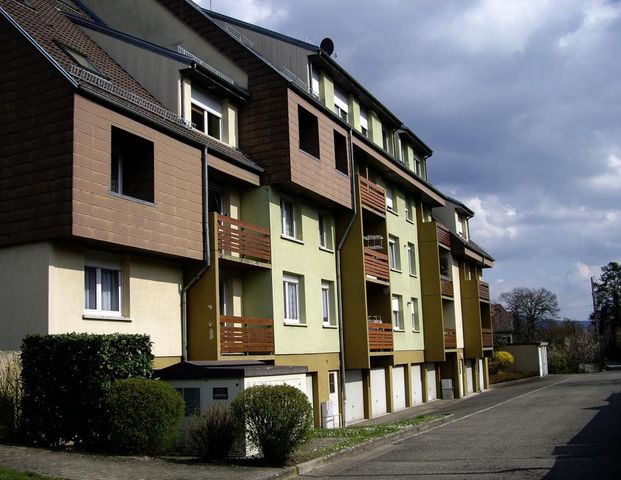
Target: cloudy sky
<point>520,101</point>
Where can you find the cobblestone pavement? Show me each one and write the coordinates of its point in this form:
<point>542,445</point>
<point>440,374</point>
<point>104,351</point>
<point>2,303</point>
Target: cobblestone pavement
<point>80,466</point>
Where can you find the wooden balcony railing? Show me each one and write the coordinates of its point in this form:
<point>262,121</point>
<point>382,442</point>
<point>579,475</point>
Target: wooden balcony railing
<point>450,338</point>
<point>376,265</point>
<point>236,238</point>
<point>446,286</point>
<point>444,235</point>
<point>488,337</point>
<point>372,196</point>
<point>380,337</point>
<point>483,291</point>
<point>246,335</point>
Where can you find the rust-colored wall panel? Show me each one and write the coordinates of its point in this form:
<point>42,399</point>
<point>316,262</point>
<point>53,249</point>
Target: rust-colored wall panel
<point>172,224</point>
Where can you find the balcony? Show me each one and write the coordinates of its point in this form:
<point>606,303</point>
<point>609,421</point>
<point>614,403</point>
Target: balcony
<point>372,196</point>
<point>488,338</point>
<point>243,241</point>
<point>246,336</point>
<point>450,338</point>
<point>483,291</point>
<point>443,235</point>
<point>380,336</point>
<point>376,265</point>
<point>446,286</point>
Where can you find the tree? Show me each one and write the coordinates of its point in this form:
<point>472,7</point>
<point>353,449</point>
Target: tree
<point>530,308</point>
<point>607,299</point>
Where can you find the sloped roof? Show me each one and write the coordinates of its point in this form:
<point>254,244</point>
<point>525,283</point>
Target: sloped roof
<point>48,26</point>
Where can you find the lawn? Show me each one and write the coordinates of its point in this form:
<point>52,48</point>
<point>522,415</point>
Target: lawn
<point>7,474</point>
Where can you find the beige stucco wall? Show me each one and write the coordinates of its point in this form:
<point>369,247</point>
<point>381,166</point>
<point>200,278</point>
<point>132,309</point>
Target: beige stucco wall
<point>153,294</point>
<point>23,292</point>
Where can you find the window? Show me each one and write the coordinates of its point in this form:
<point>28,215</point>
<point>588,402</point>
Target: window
<point>387,141</point>
<point>445,269</point>
<point>314,81</point>
<point>341,106</point>
<point>132,166</point>
<point>468,271</point>
<point>412,258</point>
<point>191,398</point>
<point>309,132</point>
<point>393,253</point>
<point>364,123</point>
<point>207,114</point>
<point>81,60</point>
<point>340,152</point>
<point>390,199</point>
<point>397,315</point>
<point>291,295</point>
<point>404,154</point>
<point>409,210</point>
<point>325,232</point>
<point>327,309</point>
<point>102,291</point>
<point>414,313</point>
<point>290,221</point>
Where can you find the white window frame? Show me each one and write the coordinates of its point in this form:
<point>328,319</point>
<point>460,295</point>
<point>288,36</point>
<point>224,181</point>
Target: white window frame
<point>289,226</point>
<point>327,314</point>
<point>412,259</point>
<point>341,106</point>
<point>99,310</point>
<point>324,225</point>
<point>292,309</point>
<point>418,165</point>
<point>409,210</point>
<point>414,314</point>
<point>397,312</point>
<point>391,204</point>
<point>393,253</point>
<point>364,123</point>
<point>210,105</point>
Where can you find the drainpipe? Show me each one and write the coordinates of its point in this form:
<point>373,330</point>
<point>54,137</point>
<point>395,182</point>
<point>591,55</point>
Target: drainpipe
<point>206,256</point>
<point>339,278</point>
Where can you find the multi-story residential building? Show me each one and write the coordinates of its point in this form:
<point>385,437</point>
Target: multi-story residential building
<point>237,195</point>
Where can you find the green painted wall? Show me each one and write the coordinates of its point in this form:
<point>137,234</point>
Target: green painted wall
<point>326,90</point>
<point>471,314</point>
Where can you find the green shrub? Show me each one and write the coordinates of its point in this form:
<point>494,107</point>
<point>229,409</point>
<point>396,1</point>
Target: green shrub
<point>561,360</point>
<point>213,432</point>
<point>66,378</point>
<point>10,395</point>
<point>144,415</point>
<point>277,419</point>
<point>501,361</point>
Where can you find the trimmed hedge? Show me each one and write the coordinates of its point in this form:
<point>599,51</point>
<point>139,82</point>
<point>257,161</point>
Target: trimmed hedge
<point>144,415</point>
<point>66,378</point>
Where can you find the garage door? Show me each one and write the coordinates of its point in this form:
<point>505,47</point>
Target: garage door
<point>481,375</point>
<point>432,393</point>
<point>417,385</point>
<point>398,387</point>
<point>470,376</point>
<point>355,399</point>
<point>378,392</point>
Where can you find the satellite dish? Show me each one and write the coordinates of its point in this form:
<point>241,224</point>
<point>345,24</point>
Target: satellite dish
<point>327,45</point>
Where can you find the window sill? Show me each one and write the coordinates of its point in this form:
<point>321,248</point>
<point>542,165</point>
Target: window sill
<point>409,220</point>
<point>326,249</point>
<point>413,275</point>
<point>292,239</point>
<point>330,327</point>
<point>415,331</point>
<point>294,323</point>
<point>110,318</point>
<point>132,199</point>
<point>310,154</point>
<point>393,211</point>
<point>396,270</point>
<point>401,330</point>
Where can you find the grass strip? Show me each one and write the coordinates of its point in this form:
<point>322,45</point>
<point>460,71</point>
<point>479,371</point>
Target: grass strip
<point>9,474</point>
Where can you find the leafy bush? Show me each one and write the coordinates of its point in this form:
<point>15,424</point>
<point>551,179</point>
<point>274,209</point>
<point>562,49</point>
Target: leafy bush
<point>501,361</point>
<point>10,395</point>
<point>66,378</point>
<point>144,415</point>
<point>277,419</point>
<point>214,431</point>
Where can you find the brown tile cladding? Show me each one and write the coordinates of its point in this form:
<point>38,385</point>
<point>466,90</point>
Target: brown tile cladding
<point>172,225</point>
<point>35,143</point>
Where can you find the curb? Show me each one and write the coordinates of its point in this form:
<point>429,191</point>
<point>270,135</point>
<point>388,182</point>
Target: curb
<point>305,467</point>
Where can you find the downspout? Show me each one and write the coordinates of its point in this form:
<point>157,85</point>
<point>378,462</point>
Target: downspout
<point>206,257</point>
<point>339,287</point>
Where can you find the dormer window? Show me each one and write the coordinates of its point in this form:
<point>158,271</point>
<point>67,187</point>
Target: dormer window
<point>207,114</point>
<point>418,165</point>
<point>341,105</point>
<point>387,141</point>
<point>364,123</point>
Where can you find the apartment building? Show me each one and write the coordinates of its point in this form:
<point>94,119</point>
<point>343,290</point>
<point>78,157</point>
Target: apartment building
<point>275,224</point>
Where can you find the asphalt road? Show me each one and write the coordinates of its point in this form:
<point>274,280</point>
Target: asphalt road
<point>558,427</point>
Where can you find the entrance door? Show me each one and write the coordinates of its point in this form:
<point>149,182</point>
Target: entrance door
<point>470,376</point>
<point>334,398</point>
<point>417,385</point>
<point>432,391</point>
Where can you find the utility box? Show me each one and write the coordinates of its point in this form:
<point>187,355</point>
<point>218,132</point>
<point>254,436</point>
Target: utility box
<point>447,389</point>
<point>329,415</point>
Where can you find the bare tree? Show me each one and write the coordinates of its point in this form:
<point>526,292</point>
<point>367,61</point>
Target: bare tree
<point>530,308</point>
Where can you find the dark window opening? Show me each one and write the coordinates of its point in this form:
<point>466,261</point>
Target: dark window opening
<point>309,132</point>
<point>191,398</point>
<point>132,166</point>
<point>340,152</point>
<point>198,118</point>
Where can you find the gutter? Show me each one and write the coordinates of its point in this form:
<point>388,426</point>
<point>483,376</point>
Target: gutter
<point>206,256</point>
<point>339,280</point>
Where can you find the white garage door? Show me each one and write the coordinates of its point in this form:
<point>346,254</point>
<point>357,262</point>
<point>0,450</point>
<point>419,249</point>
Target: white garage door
<point>432,393</point>
<point>355,399</point>
<point>417,385</point>
<point>470,376</point>
<point>481,375</point>
<point>378,392</point>
<point>398,387</point>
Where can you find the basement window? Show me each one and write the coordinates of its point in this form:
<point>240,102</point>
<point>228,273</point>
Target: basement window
<point>309,132</point>
<point>132,172</point>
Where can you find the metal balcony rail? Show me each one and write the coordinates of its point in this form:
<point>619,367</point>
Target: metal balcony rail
<point>237,238</point>
<point>246,335</point>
